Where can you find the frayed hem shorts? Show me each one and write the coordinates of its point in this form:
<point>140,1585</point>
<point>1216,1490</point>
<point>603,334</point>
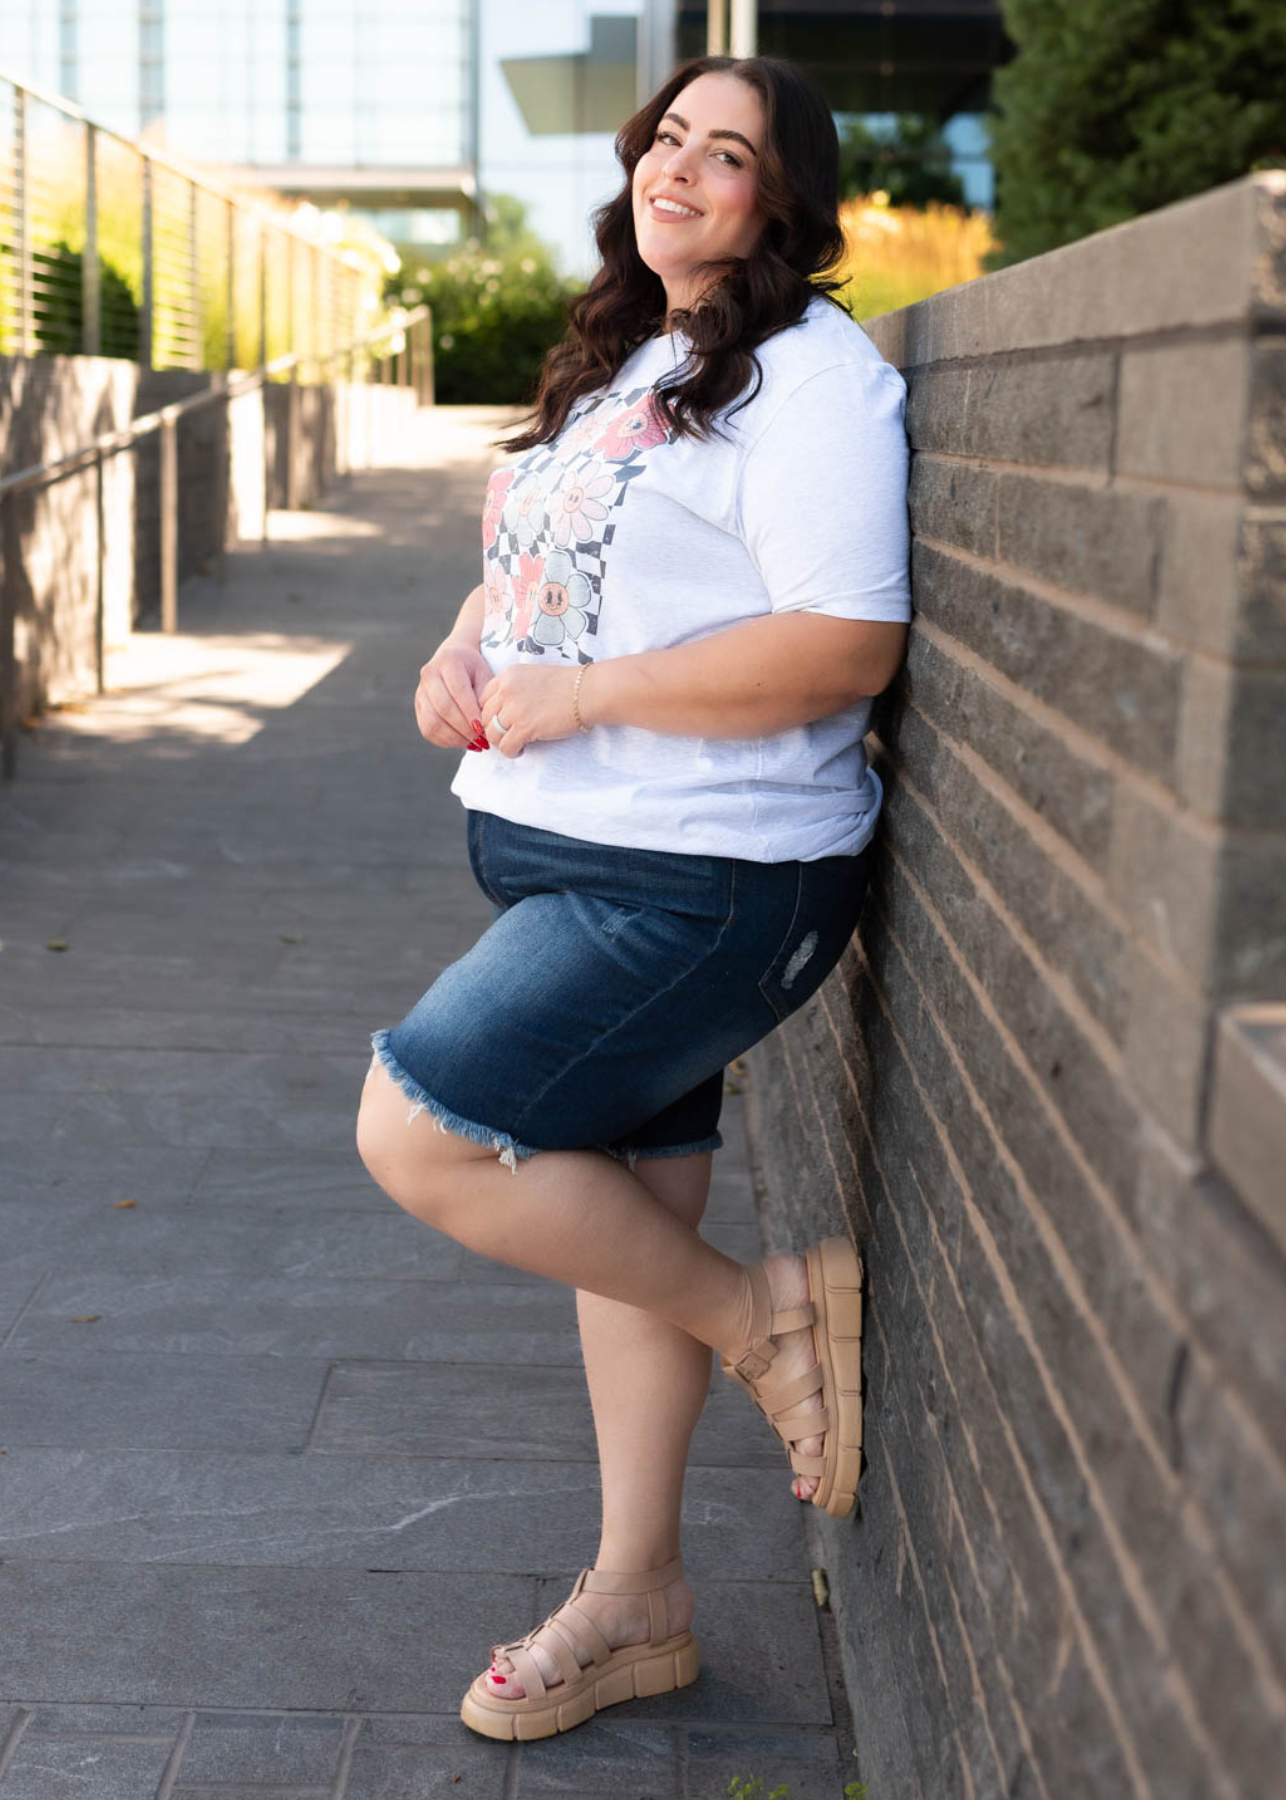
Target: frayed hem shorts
<point>599,1008</point>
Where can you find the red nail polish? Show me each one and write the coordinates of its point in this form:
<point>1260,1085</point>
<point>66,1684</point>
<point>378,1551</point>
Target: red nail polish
<point>477,726</point>
<point>500,1678</point>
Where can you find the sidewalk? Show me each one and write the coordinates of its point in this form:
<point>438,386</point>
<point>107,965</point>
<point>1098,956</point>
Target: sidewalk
<point>280,1463</point>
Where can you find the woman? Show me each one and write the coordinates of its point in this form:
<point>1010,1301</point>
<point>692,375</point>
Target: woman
<point>695,581</point>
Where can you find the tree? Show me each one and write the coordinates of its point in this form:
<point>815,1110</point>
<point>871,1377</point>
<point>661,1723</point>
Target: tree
<point>497,308</point>
<point>1115,107</point>
<point>910,162</point>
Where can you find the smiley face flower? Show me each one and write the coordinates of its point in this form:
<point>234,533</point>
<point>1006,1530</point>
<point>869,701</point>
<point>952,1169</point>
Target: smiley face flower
<point>561,602</point>
<point>639,427</point>
<point>577,506</point>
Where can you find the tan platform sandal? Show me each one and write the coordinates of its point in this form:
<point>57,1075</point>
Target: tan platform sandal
<point>834,1310</point>
<point>631,1673</point>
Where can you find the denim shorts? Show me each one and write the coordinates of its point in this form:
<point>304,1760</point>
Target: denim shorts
<point>599,1008</point>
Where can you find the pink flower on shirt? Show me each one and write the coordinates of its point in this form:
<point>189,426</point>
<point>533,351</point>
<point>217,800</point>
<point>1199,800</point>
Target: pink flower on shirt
<point>577,505</point>
<point>528,581</point>
<point>493,505</point>
<point>496,589</point>
<point>638,427</point>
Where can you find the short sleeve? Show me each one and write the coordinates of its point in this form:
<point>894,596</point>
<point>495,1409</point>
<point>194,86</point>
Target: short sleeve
<point>822,503</point>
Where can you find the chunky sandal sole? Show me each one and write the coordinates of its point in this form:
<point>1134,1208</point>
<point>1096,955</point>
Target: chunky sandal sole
<point>835,1287</point>
<point>637,1672</point>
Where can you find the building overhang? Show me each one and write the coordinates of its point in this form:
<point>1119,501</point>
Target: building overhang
<point>392,189</point>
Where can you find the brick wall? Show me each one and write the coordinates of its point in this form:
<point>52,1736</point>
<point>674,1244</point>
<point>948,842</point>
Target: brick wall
<point>1046,1088</point>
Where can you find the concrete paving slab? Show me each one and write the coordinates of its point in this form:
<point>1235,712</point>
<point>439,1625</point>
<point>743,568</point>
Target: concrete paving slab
<point>533,1413</point>
<point>301,1316</point>
<point>83,1399</point>
<point>286,1238</point>
<point>70,1769</point>
<point>430,1512</point>
<point>296,1750</point>
<point>329,1640</point>
<point>324,1178</point>
<point>404,1772</point>
<point>625,1759</point>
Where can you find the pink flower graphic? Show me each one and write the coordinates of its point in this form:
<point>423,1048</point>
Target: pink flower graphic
<point>496,596</point>
<point>528,582</point>
<point>638,427</point>
<point>578,503</point>
<point>493,505</point>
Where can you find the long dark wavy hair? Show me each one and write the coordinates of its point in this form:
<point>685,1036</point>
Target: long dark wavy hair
<point>745,300</point>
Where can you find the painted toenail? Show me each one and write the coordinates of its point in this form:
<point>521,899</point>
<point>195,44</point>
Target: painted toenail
<point>500,1678</point>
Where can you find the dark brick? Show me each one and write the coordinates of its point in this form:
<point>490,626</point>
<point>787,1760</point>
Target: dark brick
<point>954,502</point>
<point>1108,683</point>
<point>1055,778</point>
<point>1051,411</point>
<point>1091,539</point>
<point>1074,932</point>
<point>1266,436</point>
<point>1261,571</point>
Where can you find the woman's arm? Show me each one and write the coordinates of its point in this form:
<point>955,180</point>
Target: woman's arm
<point>749,680</point>
<point>765,675</point>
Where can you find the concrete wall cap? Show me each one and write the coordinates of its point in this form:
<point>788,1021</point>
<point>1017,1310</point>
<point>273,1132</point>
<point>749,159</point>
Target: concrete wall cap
<point>1215,259</point>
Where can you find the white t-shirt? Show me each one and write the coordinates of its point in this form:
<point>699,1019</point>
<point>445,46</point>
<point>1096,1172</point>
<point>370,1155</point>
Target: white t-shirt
<point>619,538</point>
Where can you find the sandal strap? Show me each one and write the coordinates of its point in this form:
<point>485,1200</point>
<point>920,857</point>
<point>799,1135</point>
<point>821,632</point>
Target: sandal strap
<point>527,1669</point>
<point>607,1581</point>
<point>558,1639</point>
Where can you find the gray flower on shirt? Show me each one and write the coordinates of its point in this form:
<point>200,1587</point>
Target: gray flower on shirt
<point>560,605</point>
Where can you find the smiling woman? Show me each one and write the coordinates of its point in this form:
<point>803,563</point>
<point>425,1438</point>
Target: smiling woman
<point>694,582</point>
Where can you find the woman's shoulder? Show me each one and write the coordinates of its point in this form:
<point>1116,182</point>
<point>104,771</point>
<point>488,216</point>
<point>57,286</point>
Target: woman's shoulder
<point>825,338</point>
<point>827,342</point>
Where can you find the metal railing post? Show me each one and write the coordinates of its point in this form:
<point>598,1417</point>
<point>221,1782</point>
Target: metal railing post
<point>22,221</point>
<point>314,319</point>
<point>90,289</point>
<point>263,391</point>
<point>100,586</point>
<point>145,333</point>
<point>169,525</point>
<point>263,296</point>
<point>8,654</point>
<point>194,278</point>
<point>231,295</point>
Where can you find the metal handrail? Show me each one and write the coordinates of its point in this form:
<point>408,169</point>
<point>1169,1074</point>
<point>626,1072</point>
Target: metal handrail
<point>412,371</point>
<point>166,160</point>
<point>205,276</point>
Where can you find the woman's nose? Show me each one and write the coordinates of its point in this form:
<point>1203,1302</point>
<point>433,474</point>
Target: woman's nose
<point>677,165</point>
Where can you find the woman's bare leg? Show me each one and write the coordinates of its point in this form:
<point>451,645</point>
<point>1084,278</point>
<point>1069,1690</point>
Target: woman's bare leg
<point>648,1382</point>
<point>578,1216</point>
<point>582,1218</point>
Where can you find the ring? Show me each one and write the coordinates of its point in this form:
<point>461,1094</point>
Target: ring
<point>498,722</point>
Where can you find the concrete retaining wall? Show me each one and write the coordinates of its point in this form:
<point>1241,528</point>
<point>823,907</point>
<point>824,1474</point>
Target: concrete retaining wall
<point>50,405</point>
<point>1047,1086</point>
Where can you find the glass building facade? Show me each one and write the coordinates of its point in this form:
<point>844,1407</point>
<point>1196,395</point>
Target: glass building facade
<point>372,102</point>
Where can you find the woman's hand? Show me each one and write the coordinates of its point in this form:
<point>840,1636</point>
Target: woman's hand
<point>532,703</point>
<point>448,700</point>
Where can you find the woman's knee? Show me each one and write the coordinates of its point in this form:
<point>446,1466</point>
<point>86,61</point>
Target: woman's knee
<point>405,1152</point>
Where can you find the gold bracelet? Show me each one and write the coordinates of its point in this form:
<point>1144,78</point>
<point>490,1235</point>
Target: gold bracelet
<point>580,723</point>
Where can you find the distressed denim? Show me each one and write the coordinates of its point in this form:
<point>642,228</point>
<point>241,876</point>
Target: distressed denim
<point>599,1008</point>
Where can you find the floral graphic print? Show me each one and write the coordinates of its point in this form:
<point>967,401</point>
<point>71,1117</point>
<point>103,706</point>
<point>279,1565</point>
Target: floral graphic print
<point>639,427</point>
<point>562,599</point>
<point>548,523</point>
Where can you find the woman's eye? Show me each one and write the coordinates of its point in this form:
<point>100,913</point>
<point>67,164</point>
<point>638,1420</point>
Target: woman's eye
<point>734,162</point>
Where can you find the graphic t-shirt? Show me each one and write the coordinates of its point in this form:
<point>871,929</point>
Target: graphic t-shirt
<point>620,537</point>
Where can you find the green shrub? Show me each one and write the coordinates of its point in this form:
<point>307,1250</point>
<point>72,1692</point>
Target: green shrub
<point>57,311</point>
<point>497,309</point>
<point>1115,107</point>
